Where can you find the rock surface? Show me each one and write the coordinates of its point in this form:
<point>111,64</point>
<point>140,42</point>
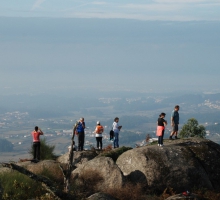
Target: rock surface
<point>182,197</point>
<point>80,157</point>
<point>47,167</point>
<point>181,164</point>
<point>106,168</point>
<point>101,196</point>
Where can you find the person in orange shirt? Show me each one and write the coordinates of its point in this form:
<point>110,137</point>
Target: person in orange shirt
<point>98,134</point>
<point>36,142</point>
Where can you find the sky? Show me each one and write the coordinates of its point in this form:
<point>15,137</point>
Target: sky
<point>160,45</point>
<point>174,10</point>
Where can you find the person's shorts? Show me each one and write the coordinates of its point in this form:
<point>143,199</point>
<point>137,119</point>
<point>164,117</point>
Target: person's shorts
<point>175,127</point>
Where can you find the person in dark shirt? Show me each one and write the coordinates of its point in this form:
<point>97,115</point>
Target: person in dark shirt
<point>175,122</point>
<point>161,123</point>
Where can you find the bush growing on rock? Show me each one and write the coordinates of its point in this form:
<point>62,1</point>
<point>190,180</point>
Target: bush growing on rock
<point>116,153</point>
<point>18,186</point>
<point>46,151</point>
<point>192,129</point>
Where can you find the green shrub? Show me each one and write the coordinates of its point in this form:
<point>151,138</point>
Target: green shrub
<point>17,186</point>
<point>192,129</point>
<point>46,150</point>
<point>114,154</point>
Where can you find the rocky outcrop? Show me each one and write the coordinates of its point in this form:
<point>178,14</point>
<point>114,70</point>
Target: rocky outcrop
<point>79,157</point>
<point>183,197</point>
<point>101,196</point>
<point>181,164</point>
<point>5,170</point>
<point>106,168</point>
<point>46,167</point>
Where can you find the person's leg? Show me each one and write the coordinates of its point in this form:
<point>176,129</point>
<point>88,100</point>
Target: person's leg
<point>176,135</point>
<point>97,142</point>
<point>79,141</point>
<point>101,143</point>
<point>176,130</point>
<point>38,150</point>
<point>83,140</point>
<point>35,150</point>
<point>116,140</point>
<point>161,140</point>
<point>173,131</point>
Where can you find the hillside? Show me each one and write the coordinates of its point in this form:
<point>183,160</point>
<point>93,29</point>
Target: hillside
<point>184,164</point>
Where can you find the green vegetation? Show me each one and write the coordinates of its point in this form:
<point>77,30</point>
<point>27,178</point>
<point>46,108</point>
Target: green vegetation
<point>46,150</point>
<point>192,129</point>
<point>116,153</point>
<point>18,186</point>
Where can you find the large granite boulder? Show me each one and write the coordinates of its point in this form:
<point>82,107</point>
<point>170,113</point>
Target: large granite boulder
<point>106,168</point>
<point>45,167</point>
<point>182,164</point>
<point>79,157</point>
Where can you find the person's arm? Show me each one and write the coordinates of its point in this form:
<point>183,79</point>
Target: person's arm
<point>41,132</point>
<point>172,122</point>
<point>96,130</point>
<point>165,122</point>
<point>172,119</point>
<point>83,125</point>
<point>102,129</point>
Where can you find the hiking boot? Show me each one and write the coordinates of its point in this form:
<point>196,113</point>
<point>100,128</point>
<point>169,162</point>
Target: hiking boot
<point>176,138</point>
<point>171,138</point>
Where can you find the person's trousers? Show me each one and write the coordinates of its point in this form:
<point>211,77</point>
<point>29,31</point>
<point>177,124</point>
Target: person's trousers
<point>36,148</point>
<point>99,142</point>
<point>81,138</point>
<point>116,140</point>
<point>160,138</point>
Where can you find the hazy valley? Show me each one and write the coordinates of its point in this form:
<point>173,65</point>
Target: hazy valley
<point>138,113</point>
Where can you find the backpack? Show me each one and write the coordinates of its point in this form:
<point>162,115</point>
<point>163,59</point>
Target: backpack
<point>99,129</point>
<point>111,133</point>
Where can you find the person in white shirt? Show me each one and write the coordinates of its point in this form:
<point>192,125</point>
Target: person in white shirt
<point>98,134</point>
<point>116,128</point>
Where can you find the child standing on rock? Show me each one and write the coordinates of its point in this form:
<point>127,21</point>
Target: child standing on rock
<point>161,123</point>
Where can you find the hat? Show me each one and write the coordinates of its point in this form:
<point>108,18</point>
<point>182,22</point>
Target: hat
<point>98,122</point>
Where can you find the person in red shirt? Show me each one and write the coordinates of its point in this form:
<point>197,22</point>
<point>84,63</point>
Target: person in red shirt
<point>36,142</point>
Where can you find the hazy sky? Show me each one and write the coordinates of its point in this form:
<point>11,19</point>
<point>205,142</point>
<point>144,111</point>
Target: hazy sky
<point>160,45</point>
<point>177,10</point>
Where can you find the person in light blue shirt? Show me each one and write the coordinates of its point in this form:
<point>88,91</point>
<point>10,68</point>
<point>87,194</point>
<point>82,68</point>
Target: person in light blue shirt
<point>116,128</point>
<point>175,122</point>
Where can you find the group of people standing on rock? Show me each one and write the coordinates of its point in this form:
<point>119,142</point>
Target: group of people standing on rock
<point>161,123</point>
<point>79,130</point>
